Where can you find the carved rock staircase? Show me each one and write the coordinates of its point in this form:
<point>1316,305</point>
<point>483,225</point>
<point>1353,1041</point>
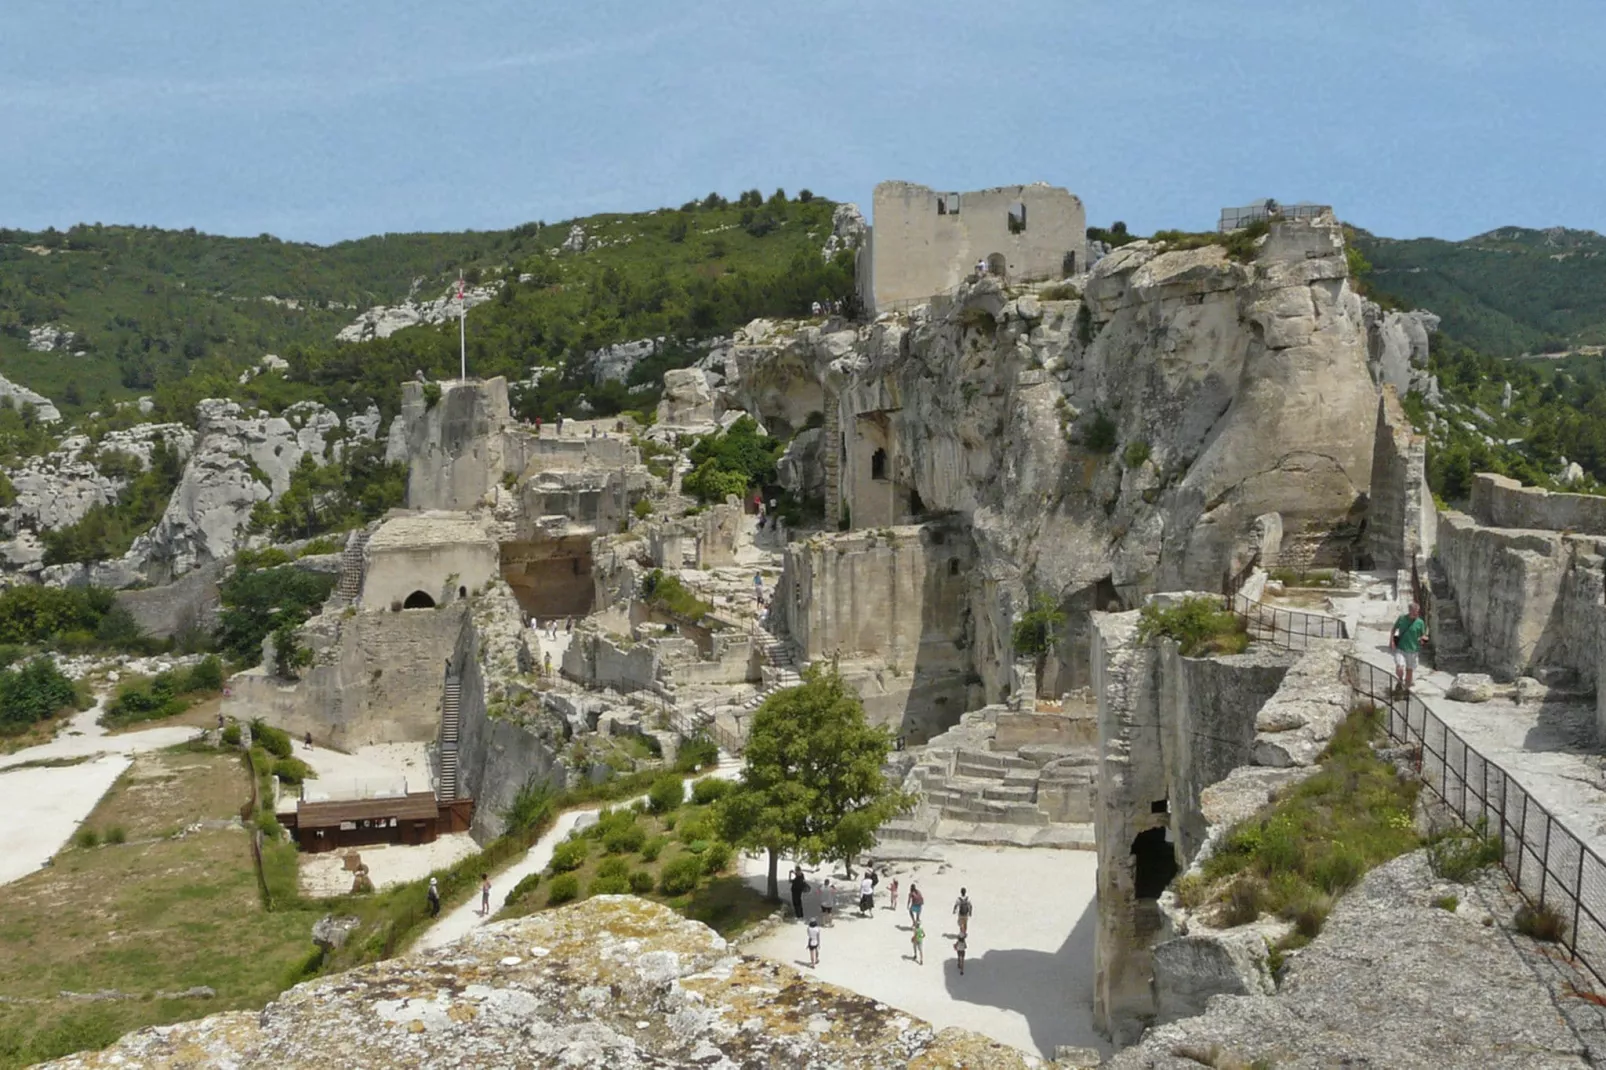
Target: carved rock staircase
<point>451,700</point>
<point>352,564</point>
<point>780,669</point>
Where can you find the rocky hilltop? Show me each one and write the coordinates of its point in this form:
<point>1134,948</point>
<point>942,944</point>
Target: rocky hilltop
<point>614,983</point>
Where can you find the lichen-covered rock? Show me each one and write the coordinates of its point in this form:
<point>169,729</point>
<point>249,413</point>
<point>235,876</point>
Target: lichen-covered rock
<point>1392,981</point>
<point>614,983</point>
<point>687,401</point>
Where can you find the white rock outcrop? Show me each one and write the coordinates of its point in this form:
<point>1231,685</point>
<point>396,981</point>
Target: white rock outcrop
<point>687,401</point>
<point>47,338</point>
<point>848,230</point>
<point>382,321</point>
<point>58,488</point>
<point>1397,345</point>
<point>17,396</point>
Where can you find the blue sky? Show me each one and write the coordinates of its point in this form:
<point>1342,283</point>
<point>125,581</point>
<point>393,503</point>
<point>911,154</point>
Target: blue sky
<point>329,119</point>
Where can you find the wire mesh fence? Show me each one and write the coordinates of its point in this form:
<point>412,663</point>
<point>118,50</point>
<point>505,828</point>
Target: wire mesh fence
<point>1550,866</point>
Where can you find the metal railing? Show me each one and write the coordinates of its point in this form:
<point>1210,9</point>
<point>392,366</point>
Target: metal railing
<point>1549,865</point>
<point>1290,629</point>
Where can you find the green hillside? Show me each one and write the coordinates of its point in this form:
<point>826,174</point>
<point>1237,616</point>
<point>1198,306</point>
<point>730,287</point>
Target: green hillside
<point>1508,292</point>
<point>178,314</point>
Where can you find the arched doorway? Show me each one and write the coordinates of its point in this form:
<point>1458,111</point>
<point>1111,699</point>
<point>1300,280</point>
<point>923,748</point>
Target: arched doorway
<point>997,266</point>
<point>419,600</point>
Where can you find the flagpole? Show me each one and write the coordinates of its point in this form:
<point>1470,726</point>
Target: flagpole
<point>462,331</point>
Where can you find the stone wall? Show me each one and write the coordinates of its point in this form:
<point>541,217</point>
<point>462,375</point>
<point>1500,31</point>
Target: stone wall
<point>1401,519</point>
<point>377,678</point>
<point>1529,599</point>
<point>923,242</point>
<point>191,601</point>
<point>1499,502</point>
<point>1169,727</point>
<point>894,604</point>
<point>596,660</point>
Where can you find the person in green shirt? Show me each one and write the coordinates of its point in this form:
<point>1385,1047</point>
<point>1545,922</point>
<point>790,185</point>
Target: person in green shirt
<point>1406,642</point>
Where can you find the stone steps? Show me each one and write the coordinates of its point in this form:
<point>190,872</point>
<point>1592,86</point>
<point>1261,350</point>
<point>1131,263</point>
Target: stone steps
<point>451,701</point>
<point>991,834</point>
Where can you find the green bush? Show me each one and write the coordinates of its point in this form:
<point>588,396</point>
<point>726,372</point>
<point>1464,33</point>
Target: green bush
<point>526,885</point>
<point>642,509</point>
<point>231,735</point>
<point>1137,452</point>
<point>33,693</point>
<point>653,848</point>
<point>1458,854</point>
<point>276,741</point>
<point>292,770</point>
<point>730,461</point>
<point>696,753</point>
<point>116,834</point>
<point>1447,902</point>
<point>1101,434</point>
<point>717,858</point>
<point>1035,634</point>
<point>681,876</point>
<point>432,395</point>
<point>694,829</point>
<point>259,601</point>
<point>531,807</point>
<point>1199,624</point>
<point>613,867</point>
<point>666,794</point>
<point>563,889</point>
<point>615,885</point>
<point>709,790</point>
<point>570,854</point>
<point>624,841</point>
<point>641,882</point>
<point>205,675</point>
<point>86,838</point>
<point>666,592</point>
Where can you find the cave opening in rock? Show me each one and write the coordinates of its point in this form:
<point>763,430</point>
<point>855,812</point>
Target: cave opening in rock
<point>1155,865</point>
<point>419,600</point>
<point>551,577</point>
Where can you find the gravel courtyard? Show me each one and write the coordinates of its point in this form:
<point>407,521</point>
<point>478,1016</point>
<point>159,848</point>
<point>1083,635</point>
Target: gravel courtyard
<point>1028,978</point>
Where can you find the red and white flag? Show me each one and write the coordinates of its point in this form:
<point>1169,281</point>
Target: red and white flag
<point>460,295</point>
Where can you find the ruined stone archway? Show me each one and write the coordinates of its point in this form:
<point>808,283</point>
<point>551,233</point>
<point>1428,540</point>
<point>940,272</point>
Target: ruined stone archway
<point>997,265</point>
<point>419,600</point>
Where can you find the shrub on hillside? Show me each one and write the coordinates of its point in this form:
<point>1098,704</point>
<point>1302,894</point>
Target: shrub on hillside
<point>232,735</point>
<point>1199,624</point>
<point>696,753</point>
<point>276,741</point>
<point>666,794</point>
<point>563,889</point>
<point>717,858</point>
<point>570,854</point>
<point>709,790</point>
<point>292,770</point>
<point>653,848</point>
<point>681,876</point>
<point>523,888</point>
<point>34,692</point>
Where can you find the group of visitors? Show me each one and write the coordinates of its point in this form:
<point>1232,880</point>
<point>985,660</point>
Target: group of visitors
<point>962,909</point>
<point>826,308</point>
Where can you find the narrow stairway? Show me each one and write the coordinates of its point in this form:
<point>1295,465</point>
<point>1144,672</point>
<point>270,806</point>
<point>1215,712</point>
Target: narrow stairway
<point>450,701</point>
<point>351,569</point>
<point>777,654</point>
<point>1449,647</point>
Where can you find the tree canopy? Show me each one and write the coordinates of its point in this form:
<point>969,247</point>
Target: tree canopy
<point>813,783</point>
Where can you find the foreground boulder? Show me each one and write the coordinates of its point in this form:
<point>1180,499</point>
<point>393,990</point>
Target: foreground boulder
<point>615,982</point>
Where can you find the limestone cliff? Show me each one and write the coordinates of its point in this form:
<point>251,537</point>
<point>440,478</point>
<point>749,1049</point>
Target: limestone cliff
<point>616,983</point>
<point>1103,441</point>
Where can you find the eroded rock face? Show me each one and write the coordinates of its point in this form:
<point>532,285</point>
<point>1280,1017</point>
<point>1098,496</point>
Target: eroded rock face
<point>58,488</point>
<point>1397,345</point>
<point>17,396</point>
<point>614,983</point>
<point>382,321</point>
<point>687,401</point>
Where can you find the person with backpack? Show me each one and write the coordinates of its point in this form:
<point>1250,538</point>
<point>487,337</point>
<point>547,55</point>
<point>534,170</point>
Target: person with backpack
<point>1405,640</point>
<point>814,941</point>
<point>963,908</point>
<point>917,902</point>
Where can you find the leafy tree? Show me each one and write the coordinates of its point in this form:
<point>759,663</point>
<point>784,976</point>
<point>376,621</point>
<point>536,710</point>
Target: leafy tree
<point>1035,634</point>
<point>258,601</point>
<point>813,782</point>
<point>33,693</point>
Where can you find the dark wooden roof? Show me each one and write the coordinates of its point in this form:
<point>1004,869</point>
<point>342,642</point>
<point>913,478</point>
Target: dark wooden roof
<point>414,807</point>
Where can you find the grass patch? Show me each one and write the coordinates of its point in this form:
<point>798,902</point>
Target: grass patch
<point>1136,452</point>
<point>1542,923</point>
<point>1297,856</point>
<point>1199,625</point>
<point>1447,902</point>
<point>149,915</point>
<point>1459,853</point>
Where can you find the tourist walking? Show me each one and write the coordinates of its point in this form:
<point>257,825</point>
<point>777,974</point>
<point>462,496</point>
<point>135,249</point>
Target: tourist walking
<point>963,908</point>
<point>917,940</point>
<point>1406,642</point>
<point>814,941</point>
<point>866,895</point>
<point>959,949</point>
<point>917,902</point>
<point>485,894</point>
<point>893,888</point>
<point>799,886</point>
<point>434,898</point>
<point>827,901</point>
